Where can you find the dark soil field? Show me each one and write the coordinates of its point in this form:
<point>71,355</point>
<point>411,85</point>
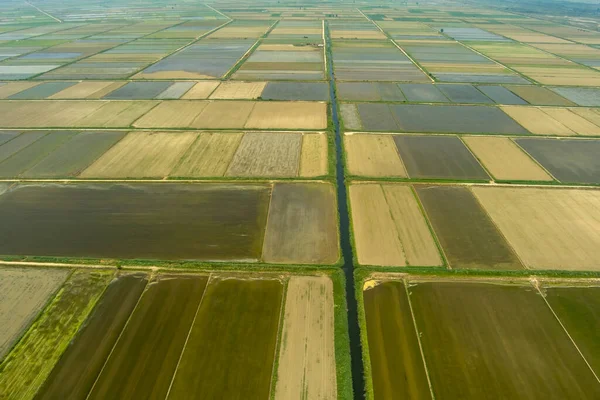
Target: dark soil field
<point>16,144</point>
<point>502,95</point>
<point>570,161</point>
<point>42,91</point>
<point>146,355</point>
<point>231,348</point>
<point>396,365</point>
<point>75,373</point>
<point>491,341</point>
<point>464,94</point>
<point>5,136</point>
<point>423,93</point>
<point>296,91</point>
<point>579,310</point>
<point>468,236</point>
<point>204,221</point>
<point>438,157</point>
<point>70,159</point>
<point>377,117</point>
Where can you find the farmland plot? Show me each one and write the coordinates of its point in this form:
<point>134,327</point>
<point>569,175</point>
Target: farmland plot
<point>26,368</point>
<point>536,121</point>
<point>76,371</point>
<point>468,236</point>
<point>397,369</point>
<point>18,143</point>
<point>5,136</point>
<point>231,346</point>
<point>148,350</point>
<point>313,159</point>
<point>306,367</point>
<point>23,293</point>
<point>525,356</point>
<point>373,155</point>
<point>548,228</point>
<point>209,155</point>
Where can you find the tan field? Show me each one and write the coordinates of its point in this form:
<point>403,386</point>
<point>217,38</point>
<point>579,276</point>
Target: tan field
<point>417,241</point>
<point>295,31</point>
<point>504,159</point>
<point>591,114</point>
<point>172,114</point>
<point>357,34</point>
<point>375,234</point>
<point>113,116</point>
<point>350,117</point>
<point>306,368</point>
<point>373,155</point>
<point>223,115</point>
<point>537,95</point>
<point>172,75</point>
<point>267,155</point>
<point>209,156</point>
<point>87,90</point>
<point>201,90</point>
<point>288,115</point>
<point>548,228</point>
<point>313,158</point>
<point>561,76</point>
<point>284,47</point>
<point>239,90</point>
<point>142,155</point>
<point>302,224</point>
<point>15,87</point>
<point>575,122</point>
<point>23,293</point>
<point>536,121</point>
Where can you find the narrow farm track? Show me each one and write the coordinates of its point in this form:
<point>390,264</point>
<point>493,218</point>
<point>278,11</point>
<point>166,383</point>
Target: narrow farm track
<point>358,383</point>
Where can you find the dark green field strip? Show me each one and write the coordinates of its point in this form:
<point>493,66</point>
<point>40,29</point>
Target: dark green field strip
<point>32,154</point>
<point>5,136</point>
<point>466,233</point>
<point>569,160</point>
<point>164,221</point>
<point>487,341</point>
<point>18,143</point>
<point>27,366</point>
<point>302,226</point>
<point>578,308</point>
<point>231,348</point>
<point>70,159</point>
<point>396,363</point>
<point>145,357</point>
<point>42,91</point>
<point>77,370</point>
<point>438,157</point>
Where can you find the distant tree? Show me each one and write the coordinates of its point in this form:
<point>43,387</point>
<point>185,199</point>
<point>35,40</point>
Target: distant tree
<point>442,30</point>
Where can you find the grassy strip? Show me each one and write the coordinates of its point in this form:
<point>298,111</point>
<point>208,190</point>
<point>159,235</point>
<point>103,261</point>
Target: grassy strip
<point>341,339</point>
<point>280,341</point>
<point>360,275</point>
<point>26,368</point>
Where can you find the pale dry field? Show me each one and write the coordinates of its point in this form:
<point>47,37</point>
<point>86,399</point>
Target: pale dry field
<point>389,228</point>
<point>223,115</point>
<point>267,155</point>
<point>209,156</point>
<point>306,368</point>
<point>288,115</point>
<point>117,114</point>
<point>23,293</point>
<point>504,159</point>
<point>171,114</point>
<point>142,155</point>
<point>313,158</point>
<point>350,117</point>
<point>561,76</point>
<point>357,34</point>
<point>15,87</point>
<point>200,90</point>
<point>239,90</point>
<point>536,121</point>
<point>591,114</point>
<point>549,228</point>
<point>87,90</point>
<point>573,121</point>
<point>373,155</point>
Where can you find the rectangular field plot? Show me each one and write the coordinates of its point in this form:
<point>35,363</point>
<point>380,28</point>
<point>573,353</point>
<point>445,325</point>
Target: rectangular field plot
<point>536,121</point>
<point>548,228</point>
<point>76,371</point>
<point>302,224</point>
<point>570,161</point>
<point>166,221</point>
<point>505,160</point>
<point>422,93</point>
<point>149,348</point>
<point>370,91</point>
<point>231,346</point>
<point>438,157</point>
<point>373,155</point>
<point>397,369</point>
<point>437,119</point>
<point>537,95</point>
<point>578,309</point>
<point>210,155</point>
<point>28,365</point>
<point>23,293</point>
<point>466,233</point>
<point>473,351</point>
<point>307,355</point>
<point>389,228</point>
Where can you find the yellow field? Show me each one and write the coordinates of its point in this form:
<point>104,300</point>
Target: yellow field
<point>373,155</point>
<point>575,122</point>
<point>209,156</point>
<point>536,121</point>
<point>313,158</point>
<point>288,115</point>
<point>504,159</point>
<point>87,90</point>
<point>239,90</point>
<point>201,90</point>
<point>548,228</point>
<point>172,114</point>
